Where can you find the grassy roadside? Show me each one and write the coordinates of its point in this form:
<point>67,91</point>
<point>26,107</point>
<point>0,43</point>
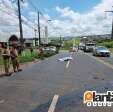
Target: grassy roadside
<point>111,49</point>
<point>28,57</point>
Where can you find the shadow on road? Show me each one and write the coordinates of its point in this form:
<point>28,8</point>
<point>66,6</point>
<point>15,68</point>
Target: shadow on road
<point>4,75</point>
<point>42,107</point>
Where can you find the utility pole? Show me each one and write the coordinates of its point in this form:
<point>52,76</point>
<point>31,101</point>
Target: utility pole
<point>38,13</point>
<point>20,24</point>
<point>112,25</point>
<point>60,39</point>
<point>35,36</point>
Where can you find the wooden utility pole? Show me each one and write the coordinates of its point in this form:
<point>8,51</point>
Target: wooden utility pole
<point>38,13</point>
<point>20,23</point>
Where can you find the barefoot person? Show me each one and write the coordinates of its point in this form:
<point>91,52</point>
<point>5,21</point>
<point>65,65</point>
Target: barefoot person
<point>15,59</point>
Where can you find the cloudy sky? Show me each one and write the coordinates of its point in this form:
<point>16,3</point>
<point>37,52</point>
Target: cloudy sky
<point>69,17</point>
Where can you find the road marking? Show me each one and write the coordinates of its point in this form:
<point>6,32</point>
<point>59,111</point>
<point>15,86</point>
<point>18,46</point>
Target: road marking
<point>53,104</point>
<point>102,61</point>
<point>67,65</point>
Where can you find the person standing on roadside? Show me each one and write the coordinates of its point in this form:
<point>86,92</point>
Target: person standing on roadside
<point>6,59</point>
<point>41,52</point>
<point>31,50</point>
<point>15,59</point>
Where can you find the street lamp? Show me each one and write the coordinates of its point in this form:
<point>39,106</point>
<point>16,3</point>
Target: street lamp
<point>112,24</point>
<point>46,31</point>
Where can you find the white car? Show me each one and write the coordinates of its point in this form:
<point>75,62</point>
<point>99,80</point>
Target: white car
<point>101,51</point>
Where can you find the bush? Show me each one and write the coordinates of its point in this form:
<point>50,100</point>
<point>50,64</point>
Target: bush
<point>107,44</point>
<point>27,56</point>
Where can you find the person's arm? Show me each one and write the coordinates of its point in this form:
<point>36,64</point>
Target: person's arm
<point>8,52</point>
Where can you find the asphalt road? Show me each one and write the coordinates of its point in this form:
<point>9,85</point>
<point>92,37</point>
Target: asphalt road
<point>33,89</point>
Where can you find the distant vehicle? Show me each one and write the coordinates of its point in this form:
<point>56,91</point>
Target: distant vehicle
<point>73,49</point>
<point>101,51</point>
<point>81,46</point>
<point>50,49</point>
<point>53,49</point>
<point>89,47</point>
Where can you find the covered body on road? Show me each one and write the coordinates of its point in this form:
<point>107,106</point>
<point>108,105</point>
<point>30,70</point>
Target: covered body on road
<point>65,58</point>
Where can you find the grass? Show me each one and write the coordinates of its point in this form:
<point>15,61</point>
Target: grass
<point>106,43</point>
<point>111,49</point>
<point>28,57</point>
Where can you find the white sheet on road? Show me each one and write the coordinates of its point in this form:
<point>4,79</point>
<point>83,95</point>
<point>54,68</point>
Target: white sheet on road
<point>65,58</point>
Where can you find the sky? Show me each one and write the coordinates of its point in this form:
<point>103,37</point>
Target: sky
<point>68,17</point>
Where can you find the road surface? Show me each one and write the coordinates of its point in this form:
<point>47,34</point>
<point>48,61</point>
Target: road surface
<point>53,86</point>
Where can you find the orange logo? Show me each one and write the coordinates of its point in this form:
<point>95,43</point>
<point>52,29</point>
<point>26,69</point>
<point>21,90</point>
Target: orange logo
<point>88,96</point>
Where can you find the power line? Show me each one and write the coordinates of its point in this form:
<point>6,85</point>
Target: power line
<point>33,6</point>
<point>38,20</point>
<point>15,16</point>
<point>23,21</point>
<point>8,13</point>
<point>8,7</point>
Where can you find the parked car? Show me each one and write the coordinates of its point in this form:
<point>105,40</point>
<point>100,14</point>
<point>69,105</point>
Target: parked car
<point>89,47</point>
<point>49,50</point>
<point>101,51</point>
<point>53,49</point>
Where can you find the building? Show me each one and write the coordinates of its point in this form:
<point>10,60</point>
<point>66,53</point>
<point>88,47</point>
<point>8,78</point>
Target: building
<point>31,42</point>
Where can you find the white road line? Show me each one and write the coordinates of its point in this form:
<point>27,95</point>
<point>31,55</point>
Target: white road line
<point>53,104</point>
<point>67,65</point>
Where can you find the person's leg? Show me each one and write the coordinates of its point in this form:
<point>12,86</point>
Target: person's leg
<point>6,66</point>
<point>14,65</point>
<point>18,65</point>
